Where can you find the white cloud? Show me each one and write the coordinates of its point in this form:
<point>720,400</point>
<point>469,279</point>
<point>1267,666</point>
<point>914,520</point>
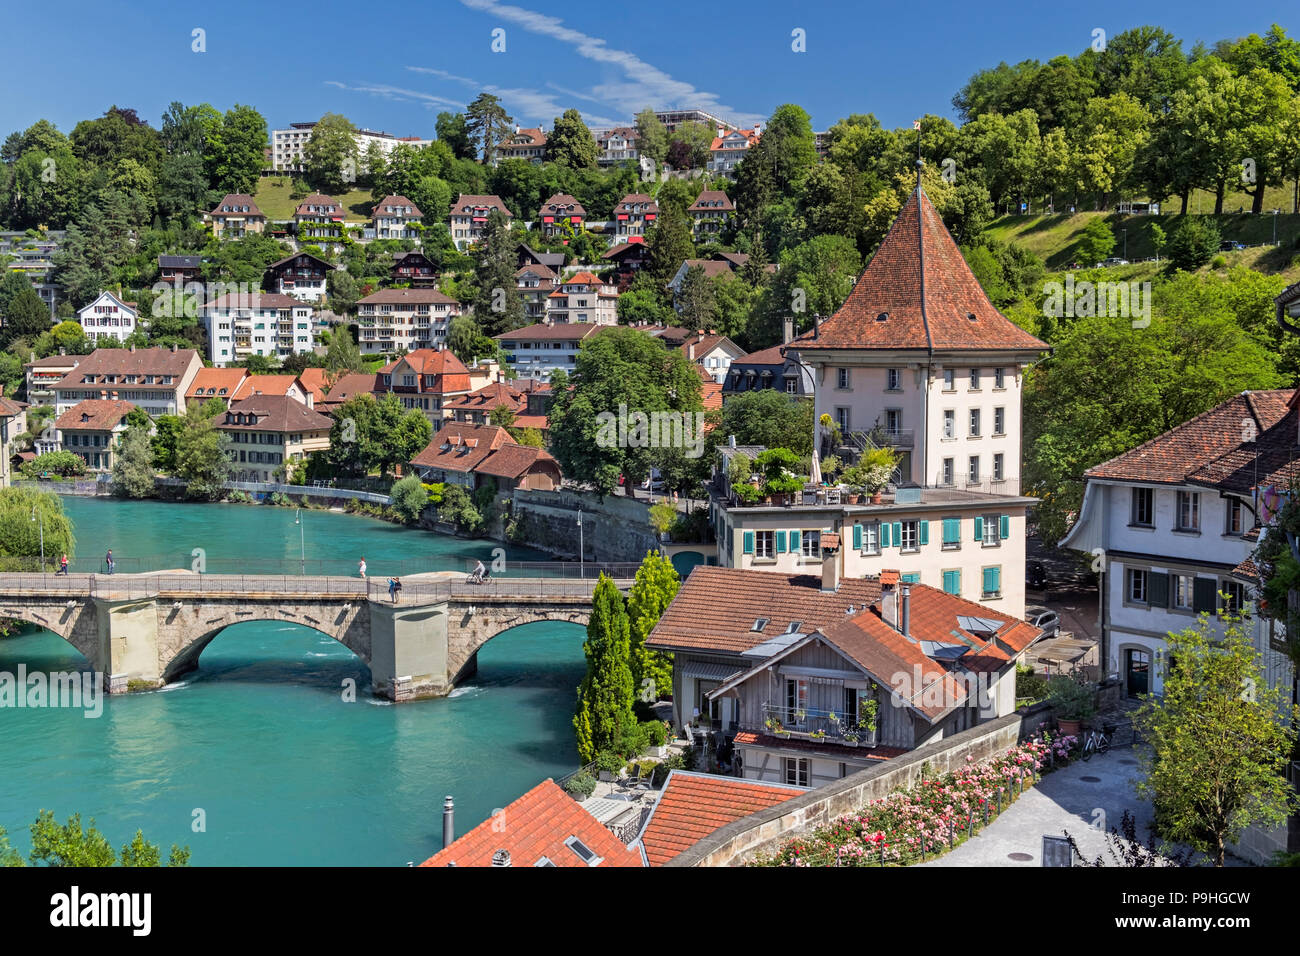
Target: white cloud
<point>399,94</point>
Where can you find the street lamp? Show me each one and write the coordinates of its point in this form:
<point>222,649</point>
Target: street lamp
<point>1275,212</point>
<point>582,570</point>
<point>302,550</point>
<point>41,521</point>
<point>1125,242</point>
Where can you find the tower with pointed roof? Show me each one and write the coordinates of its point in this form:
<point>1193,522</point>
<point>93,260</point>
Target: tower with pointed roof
<point>918,358</point>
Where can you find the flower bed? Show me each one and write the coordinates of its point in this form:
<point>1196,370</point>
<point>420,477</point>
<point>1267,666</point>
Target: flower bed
<point>927,819</point>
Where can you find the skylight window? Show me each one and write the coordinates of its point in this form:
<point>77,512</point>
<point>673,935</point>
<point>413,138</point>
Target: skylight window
<point>882,317</point>
<point>794,627</point>
<point>584,852</point>
<point>759,624</point>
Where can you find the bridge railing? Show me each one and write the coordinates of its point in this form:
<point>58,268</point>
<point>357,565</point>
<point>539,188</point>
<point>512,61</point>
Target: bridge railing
<point>186,560</point>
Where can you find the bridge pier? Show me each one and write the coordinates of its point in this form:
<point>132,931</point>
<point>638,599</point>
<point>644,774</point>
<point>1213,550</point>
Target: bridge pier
<point>408,651</point>
<point>128,644</point>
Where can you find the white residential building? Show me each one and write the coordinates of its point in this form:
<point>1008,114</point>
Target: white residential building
<point>108,317</point>
<point>634,216</point>
<point>469,216</point>
<point>583,298</point>
<point>538,350</point>
<point>396,217</point>
<point>263,323</point>
<point>729,148</point>
<point>287,145</point>
<point>394,320</point>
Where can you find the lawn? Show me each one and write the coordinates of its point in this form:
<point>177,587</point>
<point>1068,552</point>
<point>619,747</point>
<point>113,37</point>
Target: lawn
<point>272,198</point>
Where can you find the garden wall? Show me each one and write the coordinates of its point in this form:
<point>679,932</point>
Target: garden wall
<point>739,842</point>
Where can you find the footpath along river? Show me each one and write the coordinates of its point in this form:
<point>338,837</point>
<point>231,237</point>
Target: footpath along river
<point>259,738</point>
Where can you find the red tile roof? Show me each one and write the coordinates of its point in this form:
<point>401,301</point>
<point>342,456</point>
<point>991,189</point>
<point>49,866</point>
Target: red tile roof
<point>407,297</point>
<point>351,385</point>
<point>467,204</point>
<point>538,825</point>
<point>256,300</point>
<point>316,381</point>
<point>399,202</point>
<point>710,196</point>
<point>921,285</point>
<point>489,397</point>
<point>625,205</point>
<point>543,332</point>
<point>513,461</point>
<point>559,206</point>
<point>216,383</point>
<point>266,385</point>
<point>94,414</point>
<point>461,447</point>
<point>237,199</point>
<point>693,805</point>
<point>332,206</point>
<point>272,413</point>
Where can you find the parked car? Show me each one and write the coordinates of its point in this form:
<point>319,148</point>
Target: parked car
<point>1230,245</point>
<point>1113,261</point>
<point>1043,618</point>
<point>1035,576</point>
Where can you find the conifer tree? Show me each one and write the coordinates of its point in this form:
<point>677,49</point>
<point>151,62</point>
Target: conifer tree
<point>604,714</point>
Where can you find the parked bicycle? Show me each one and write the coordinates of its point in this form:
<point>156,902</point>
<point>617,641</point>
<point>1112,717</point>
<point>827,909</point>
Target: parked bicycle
<point>1097,742</point>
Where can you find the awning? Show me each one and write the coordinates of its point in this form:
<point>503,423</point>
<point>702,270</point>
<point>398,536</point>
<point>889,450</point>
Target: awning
<point>701,670</point>
<point>622,216</point>
<point>548,219</point>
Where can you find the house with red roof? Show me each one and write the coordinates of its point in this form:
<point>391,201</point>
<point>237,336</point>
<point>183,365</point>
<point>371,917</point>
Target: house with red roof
<point>90,429</point>
<point>414,269</point>
<point>396,217</point>
<point>319,217</point>
<point>729,147</point>
<point>536,351</point>
<point>710,214</point>
<point>427,379</point>
<point>768,368</point>
<point>476,408</point>
<point>472,455</point>
<point>813,678</point>
<point>469,216</point>
<point>236,216</point>
<point>634,217</point>
<point>536,283</point>
<point>558,211</point>
<point>544,827</point>
<point>266,435</point>
<point>214,382</point>
<point>526,144</point>
<point>583,298</point>
<point>393,320</point>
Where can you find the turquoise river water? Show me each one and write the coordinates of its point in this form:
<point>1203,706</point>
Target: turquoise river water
<point>259,738</point>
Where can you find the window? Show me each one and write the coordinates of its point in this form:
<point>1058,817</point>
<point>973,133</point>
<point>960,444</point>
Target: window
<point>974,423</point>
<point>796,700</point>
<point>949,423</point>
<point>893,420</point>
<point>1236,516</point>
<point>999,421</point>
<point>952,582</point>
<point>763,544</point>
<point>796,771</point>
<point>992,583</point>
<point>1181,591</point>
<point>998,469</point>
<point>990,528</point>
<point>1143,506</point>
<point>893,379</point>
<point>1136,589</point>
<point>842,378</point>
<point>1189,511</point>
<point>871,537</point>
<point>791,386</point>
<point>948,384</point>
<point>974,469</point>
<point>951,534</point>
<point>911,539</point>
<point>974,378</point>
<point>1233,598</point>
<point>811,546</point>
<point>842,419</point>
<point>999,378</point>
<point>947,471</point>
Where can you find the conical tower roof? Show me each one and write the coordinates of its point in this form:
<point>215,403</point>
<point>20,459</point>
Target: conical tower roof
<point>918,293</point>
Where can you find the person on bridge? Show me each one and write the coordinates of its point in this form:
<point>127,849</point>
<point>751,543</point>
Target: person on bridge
<point>477,576</point>
<point>108,560</point>
<point>394,585</point>
<point>63,565</point>
<point>361,568</point>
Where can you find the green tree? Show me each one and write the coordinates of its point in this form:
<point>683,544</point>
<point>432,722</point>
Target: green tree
<point>467,341</point>
<point>487,124</point>
<point>1194,242</point>
<point>71,844</point>
<point>668,245</point>
<point>503,416</point>
<point>1158,239</point>
<point>570,142</point>
<point>235,150</point>
<point>20,536</point>
<point>451,129</point>
<point>1096,242</point>
<point>689,146</point>
<point>342,291</point>
<point>409,499</point>
<point>1219,740</point>
<point>342,355</point>
<point>25,317</point>
<point>643,306</point>
<point>167,432</point>
<point>604,717</point>
<point>697,299</point>
<point>778,162</point>
<point>458,508</point>
<point>331,154</point>
<point>201,459</point>
<point>770,418</point>
<point>133,474</point>
<point>652,136</point>
<point>653,590</point>
<point>498,306</point>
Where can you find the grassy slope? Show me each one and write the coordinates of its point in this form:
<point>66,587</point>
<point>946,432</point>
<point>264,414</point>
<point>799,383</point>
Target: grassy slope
<point>272,198</point>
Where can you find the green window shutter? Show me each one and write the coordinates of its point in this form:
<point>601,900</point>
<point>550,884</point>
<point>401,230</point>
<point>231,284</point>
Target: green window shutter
<point>1004,527</point>
<point>796,542</point>
<point>952,582</point>
<point>925,532</point>
<point>898,533</point>
<point>749,542</point>
<point>979,530</point>
<point>997,580</point>
<point>780,542</point>
<point>951,530</point>
<point>857,537</point>
<point>1205,595</point>
<point>1158,589</point>
<point>884,535</point>
<point>912,578</point>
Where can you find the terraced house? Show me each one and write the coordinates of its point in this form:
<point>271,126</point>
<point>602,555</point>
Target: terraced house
<point>266,434</point>
<point>391,320</point>
<point>236,216</point>
<point>261,323</point>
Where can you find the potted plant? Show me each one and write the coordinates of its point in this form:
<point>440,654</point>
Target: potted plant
<point>854,482</point>
<point>832,430</point>
<point>877,467</point>
<point>1073,700</point>
<point>780,480</point>
<point>580,786</point>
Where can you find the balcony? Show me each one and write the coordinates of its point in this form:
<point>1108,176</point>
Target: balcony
<point>825,725</point>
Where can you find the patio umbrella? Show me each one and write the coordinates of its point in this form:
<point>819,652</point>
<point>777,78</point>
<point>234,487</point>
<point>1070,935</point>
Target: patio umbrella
<point>815,473</point>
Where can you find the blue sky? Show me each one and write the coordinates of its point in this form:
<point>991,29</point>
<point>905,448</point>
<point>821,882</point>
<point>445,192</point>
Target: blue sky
<point>393,66</point>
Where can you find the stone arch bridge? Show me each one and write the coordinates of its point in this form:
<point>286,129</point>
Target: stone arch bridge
<point>141,631</point>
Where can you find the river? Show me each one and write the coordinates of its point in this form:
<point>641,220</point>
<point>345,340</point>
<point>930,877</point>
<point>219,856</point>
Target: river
<point>258,745</point>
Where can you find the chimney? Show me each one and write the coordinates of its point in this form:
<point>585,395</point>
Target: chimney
<point>905,615</point>
<point>789,332</point>
<point>817,325</point>
<point>690,351</point>
<point>448,822</point>
<point>731,441</point>
<point>132,348</point>
<point>830,569</point>
<point>62,351</point>
<point>173,348</point>
<point>889,598</point>
<point>501,858</point>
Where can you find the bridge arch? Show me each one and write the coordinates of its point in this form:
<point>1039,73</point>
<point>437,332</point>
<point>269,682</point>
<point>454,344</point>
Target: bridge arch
<point>75,625</point>
<point>470,626</point>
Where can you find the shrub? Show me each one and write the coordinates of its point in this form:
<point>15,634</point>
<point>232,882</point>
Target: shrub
<point>61,463</point>
<point>661,771</point>
<point>656,733</point>
<point>581,785</point>
<point>239,497</point>
<point>1218,262</point>
<point>1072,698</point>
<point>1030,685</point>
<point>279,499</point>
<point>662,516</point>
<point>409,499</point>
<point>634,741</point>
<point>610,761</point>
